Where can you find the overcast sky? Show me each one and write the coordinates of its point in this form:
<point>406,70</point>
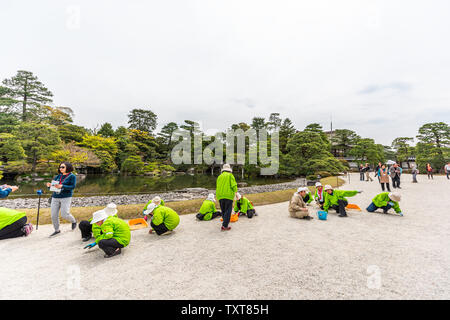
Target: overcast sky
<point>380,68</point>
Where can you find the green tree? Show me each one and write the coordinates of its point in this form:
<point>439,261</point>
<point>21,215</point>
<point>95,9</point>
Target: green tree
<point>402,148</point>
<point>28,91</point>
<point>38,141</point>
<point>342,141</point>
<point>287,130</point>
<point>71,132</point>
<point>133,165</point>
<point>142,120</point>
<point>365,150</point>
<point>106,130</point>
<point>258,123</point>
<point>10,148</point>
<point>307,154</point>
<point>274,122</point>
<point>434,145</point>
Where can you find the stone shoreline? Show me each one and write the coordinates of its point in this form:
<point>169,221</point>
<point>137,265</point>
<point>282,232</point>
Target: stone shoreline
<point>178,195</point>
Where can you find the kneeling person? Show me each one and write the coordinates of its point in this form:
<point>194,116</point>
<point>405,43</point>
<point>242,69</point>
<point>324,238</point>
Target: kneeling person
<point>244,206</point>
<point>335,199</point>
<point>113,235</point>
<point>386,201</point>
<point>87,228</point>
<point>208,209</point>
<point>163,219</point>
<point>297,206</point>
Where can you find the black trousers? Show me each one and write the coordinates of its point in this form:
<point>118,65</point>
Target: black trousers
<point>250,213</point>
<point>14,230</point>
<point>396,182</point>
<point>226,206</point>
<point>159,229</point>
<point>85,228</point>
<point>340,208</point>
<point>109,245</point>
<point>387,186</point>
<point>214,215</point>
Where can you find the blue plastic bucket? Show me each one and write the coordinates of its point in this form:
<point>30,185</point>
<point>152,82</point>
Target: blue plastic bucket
<point>322,215</point>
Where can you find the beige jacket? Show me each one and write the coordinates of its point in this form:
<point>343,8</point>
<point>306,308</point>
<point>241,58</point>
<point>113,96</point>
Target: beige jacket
<point>296,203</point>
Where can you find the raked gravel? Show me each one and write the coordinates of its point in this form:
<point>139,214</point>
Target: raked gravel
<point>272,256</point>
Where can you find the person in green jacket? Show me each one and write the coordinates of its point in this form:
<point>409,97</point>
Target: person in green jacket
<point>13,223</point>
<point>335,199</point>
<point>244,206</point>
<point>113,234</point>
<point>87,228</point>
<point>208,209</point>
<point>163,219</point>
<point>157,200</point>
<point>226,188</point>
<point>386,201</point>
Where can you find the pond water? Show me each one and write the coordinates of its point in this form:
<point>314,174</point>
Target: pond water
<point>118,184</point>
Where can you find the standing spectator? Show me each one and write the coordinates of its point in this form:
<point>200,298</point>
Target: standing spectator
<point>429,171</point>
<point>447,170</point>
<point>226,188</point>
<point>414,172</point>
<point>62,199</point>
<point>395,176</point>
<point>361,172</point>
<point>384,178</point>
<point>377,171</point>
<point>367,169</point>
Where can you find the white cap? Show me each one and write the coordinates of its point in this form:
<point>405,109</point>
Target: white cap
<point>99,216</point>
<point>227,167</point>
<point>238,196</point>
<point>156,200</point>
<point>302,189</point>
<point>318,184</point>
<point>111,209</point>
<point>210,197</point>
<point>327,187</point>
<point>152,206</point>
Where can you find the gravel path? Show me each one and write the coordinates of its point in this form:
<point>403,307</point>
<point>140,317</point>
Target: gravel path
<point>272,256</point>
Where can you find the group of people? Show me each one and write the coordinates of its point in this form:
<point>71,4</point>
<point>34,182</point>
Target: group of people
<point>112,234</point>
<point>326,198</point>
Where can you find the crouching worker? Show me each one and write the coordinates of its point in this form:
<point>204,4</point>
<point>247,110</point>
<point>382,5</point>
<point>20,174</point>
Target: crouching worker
<point>319,196</point>
<point>297,206</point>
<point>113,234</point>
<point>335,199</point>
<point>87,228</point>
<point>208,209</point>
<point>13,224</point>
<point>244,206</point>
<point>386,201</point>
<point>163,219</point>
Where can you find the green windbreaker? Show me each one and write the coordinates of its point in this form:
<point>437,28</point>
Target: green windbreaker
<point>207,209</point>
<point>115,228</point>
<point>382,199</point>
<point>226,186</point>
<point>245,205</point>
<point>9,216</point>
<point>332,199</point>
<point>165,215</point>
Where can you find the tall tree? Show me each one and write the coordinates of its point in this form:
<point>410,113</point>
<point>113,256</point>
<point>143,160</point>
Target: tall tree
<point>106,130</point>
<point>342,141</point>
<point>434,144</point>
<point>167,132</point>
<point>28,91</point>
<point>258,123</point>
<point>287,130</point>
<point>402,148</point>
<point>142,120</point>
<point>274,122</point>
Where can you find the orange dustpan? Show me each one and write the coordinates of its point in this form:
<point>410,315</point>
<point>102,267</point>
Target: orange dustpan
<point>233,218</point>
<point>353,206</point>
<point>138,223</point>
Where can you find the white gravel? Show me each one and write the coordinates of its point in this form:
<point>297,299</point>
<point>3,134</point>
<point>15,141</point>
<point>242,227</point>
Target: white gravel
<point>272,256</point>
